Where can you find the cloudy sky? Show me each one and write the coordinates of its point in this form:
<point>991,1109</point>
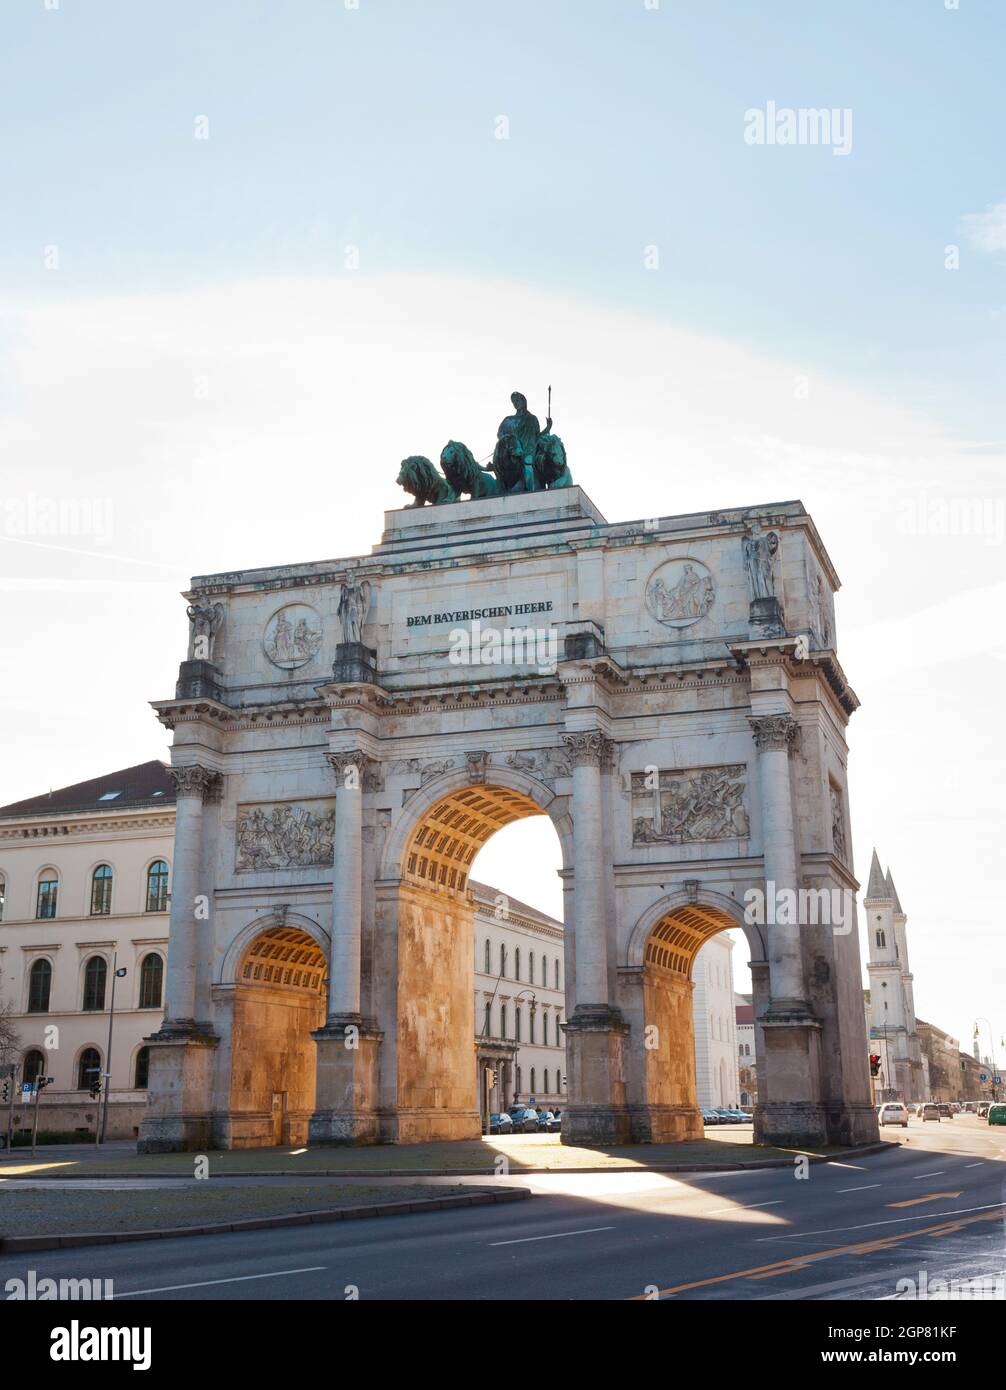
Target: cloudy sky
<point>253,254</point>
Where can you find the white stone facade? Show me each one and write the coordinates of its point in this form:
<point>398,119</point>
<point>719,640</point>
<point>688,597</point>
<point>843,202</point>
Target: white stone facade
<point>893,1029</point>
<point>683,727</point>
<point>714,1026</point>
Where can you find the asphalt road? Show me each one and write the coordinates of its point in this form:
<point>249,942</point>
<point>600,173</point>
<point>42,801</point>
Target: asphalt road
<point>849,1229</point>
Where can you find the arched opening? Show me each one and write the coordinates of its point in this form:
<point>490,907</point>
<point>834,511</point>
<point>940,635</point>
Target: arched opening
<point>279,998</point>
<point>689,1014</point>
<point>465,1036</point>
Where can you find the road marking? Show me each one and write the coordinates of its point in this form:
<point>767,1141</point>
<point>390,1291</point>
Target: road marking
<point>938,1174</point>
<point>742,1206</point>
<point>931,1197</point>
<point>868,1225</point>
<point>980,1164</point>
<point>798,1262</point>
<point>237,1279</point>
<point>560,1235</point>
<point>857,1189</point>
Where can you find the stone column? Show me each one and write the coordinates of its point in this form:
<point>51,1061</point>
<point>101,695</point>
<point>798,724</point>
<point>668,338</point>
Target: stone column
<point>193,785</point>
<point>790,1031</point>
<point>180,1094</point>
<point>596,1110</point>
<point>774,736</point>
<point>348,1076</point>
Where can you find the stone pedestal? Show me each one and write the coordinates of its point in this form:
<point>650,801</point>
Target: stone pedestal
<point>346,1095</point>
<point>792,1069</point>
<point>765,619</point>
<point>354,664</point>
<point>198,680</point>
<point>179,1116</point>
<point>596,1037</point>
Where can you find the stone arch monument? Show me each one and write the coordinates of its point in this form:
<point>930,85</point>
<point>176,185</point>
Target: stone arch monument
<point>666,692</point>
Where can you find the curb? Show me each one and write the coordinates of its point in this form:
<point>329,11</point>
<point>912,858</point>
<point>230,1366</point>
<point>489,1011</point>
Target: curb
<point>885,1146</point>
<point>13,1244</point>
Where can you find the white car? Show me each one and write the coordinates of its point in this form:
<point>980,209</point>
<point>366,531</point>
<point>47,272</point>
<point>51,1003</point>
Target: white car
<point>892,1112</point>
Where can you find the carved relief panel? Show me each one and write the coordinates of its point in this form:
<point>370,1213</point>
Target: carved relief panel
<point>696,804</point>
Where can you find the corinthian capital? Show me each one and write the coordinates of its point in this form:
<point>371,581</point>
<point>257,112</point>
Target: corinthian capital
<point>591,748</point>
<point>196,781</point>
<point>356,769</point>
<point>774,731</point>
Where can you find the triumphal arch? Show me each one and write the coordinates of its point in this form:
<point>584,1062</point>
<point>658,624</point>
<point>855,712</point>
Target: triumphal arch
<point>348,734</point>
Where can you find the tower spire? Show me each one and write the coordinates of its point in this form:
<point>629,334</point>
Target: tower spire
<point>877,887</point>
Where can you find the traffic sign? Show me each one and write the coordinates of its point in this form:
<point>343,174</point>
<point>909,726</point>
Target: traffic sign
<point>983,1076</point>
<point>997,1081</point>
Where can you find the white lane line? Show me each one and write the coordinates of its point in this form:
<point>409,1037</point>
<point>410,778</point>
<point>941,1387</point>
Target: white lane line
<point>890,1221</point>
<point>938,1174</point>
<point>858,1189</point>
<point>237,1279</point>
<point>741,1206</point>
<point>975,1165</point>
<point>561,1235</point>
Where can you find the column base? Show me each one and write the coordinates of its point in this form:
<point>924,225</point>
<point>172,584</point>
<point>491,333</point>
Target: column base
<point>851,1125</point>
<point>790,1124</point>
<point>179,1118</point>
<point>348,1055</point>
<point>792,1069</point>
<point>596,1112</point>
<point>665,1124</point>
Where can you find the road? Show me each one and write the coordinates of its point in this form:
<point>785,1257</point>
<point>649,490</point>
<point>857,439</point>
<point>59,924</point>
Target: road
<point>849,1229</point>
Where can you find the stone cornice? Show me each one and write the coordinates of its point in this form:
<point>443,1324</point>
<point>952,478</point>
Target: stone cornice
<point>100,824</point>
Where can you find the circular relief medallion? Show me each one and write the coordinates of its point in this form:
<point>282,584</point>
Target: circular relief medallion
<point>680,592</point>
<point>292,636</point>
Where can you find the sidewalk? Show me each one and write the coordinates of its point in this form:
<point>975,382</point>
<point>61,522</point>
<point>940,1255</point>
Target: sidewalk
<point>528,1153</point>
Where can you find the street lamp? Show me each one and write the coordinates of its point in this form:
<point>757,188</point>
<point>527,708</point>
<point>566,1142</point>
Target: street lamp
<point>116,975</point>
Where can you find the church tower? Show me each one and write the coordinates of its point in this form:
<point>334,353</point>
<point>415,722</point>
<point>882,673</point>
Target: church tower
<point>892,1002</point>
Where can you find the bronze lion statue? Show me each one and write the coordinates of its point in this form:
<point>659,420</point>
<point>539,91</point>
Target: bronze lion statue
<point>422,481</point>
<point>464,474</point>
<point>550,467</point>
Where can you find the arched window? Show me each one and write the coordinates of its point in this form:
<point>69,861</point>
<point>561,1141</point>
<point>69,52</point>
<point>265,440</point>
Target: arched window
<point>95,974</point>
<point>3,895</point>
<point>557,972</point>
<point>558,1034</point>
<point>487,1029</point>
<point>516,1025</point>
<point>503,960</point>
<point>489,963</point>
<point>88,1068</point>
<point>518,1088</point>
<point>39,985</point>
<point>530,1026</point>
<point>48,891</point>
<point>32,1065</point>
<point>881,939</point>
<point>157,886</point>
<point>546,1080</point>
<point>503,1032</point>
<point>151,981</point>
<point>530,967</point>
<point>101,891</point>
<point>516,964</point>
<point>532,1081</point>
<point>142,1072</point>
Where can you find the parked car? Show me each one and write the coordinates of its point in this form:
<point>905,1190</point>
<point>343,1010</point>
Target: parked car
<point>500,1124</point>
<point>710,1117</point>
<point>929,1111</point>
<point>743,1118</point>
<point>525,1120</point>
<point>727,1116</point>
<point>892,1112</point>
<point>997,1115</point>
<point>544,1121</point>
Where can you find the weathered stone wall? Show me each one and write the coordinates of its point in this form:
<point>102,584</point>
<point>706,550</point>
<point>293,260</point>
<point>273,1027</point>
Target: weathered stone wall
<point>272,1052</point>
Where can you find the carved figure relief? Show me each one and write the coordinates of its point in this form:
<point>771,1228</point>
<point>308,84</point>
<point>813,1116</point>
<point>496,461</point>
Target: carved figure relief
<point>546,763</point>
<point>292,636</point>
<point>680,593</point>
<point>838,825</point>
<point>354,601</point>
<point>205,620</point>
<point>818,606</point>
<point>676,808</point>
<point>285,836</point>
<point>760,549</point>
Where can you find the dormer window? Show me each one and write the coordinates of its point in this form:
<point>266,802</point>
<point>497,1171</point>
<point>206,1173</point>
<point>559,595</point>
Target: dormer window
<point>109,796</point>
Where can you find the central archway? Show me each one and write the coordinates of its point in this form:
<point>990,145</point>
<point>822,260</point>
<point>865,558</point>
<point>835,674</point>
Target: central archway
<point>431,1085</point>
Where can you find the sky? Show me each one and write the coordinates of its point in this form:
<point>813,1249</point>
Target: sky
<point>252,255</point>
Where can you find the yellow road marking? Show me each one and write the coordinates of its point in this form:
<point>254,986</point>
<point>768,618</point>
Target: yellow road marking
<point>796,1262</point>
<point>931,1197</point>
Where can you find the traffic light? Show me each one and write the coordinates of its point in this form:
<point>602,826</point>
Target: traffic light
<point>6,1090</point>
<point>96,1088</point>
<point>874,1063</point>
<point>490,1078</point>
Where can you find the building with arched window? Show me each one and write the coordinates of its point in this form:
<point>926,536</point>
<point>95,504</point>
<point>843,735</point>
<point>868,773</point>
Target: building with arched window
<point>85,879</point>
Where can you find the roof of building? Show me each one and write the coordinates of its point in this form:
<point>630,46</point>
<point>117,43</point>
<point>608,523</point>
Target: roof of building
<point>146,784</point>
<point>893,892</point>
<point>486,893</point>
<point>745,1013</point>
